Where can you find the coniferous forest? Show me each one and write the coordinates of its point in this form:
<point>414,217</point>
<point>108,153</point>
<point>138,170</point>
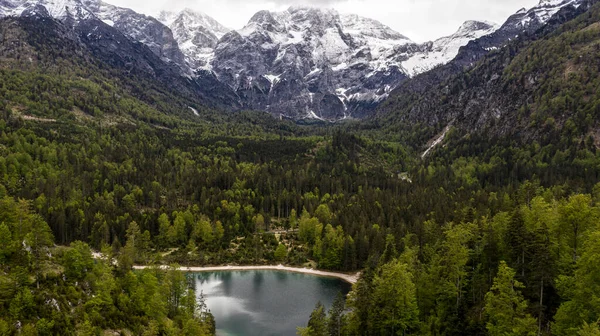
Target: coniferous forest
<point>496,231</point>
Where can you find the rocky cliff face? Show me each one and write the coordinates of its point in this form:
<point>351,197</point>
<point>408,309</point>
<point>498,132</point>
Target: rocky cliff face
<point>138,27</point>
<point>197,35</point>
<point>507,92</point>
<point>299,63</point>
<point>317,63</point>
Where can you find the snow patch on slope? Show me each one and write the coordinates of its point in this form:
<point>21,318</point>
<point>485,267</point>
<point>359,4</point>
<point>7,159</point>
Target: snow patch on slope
<point>445,49</point>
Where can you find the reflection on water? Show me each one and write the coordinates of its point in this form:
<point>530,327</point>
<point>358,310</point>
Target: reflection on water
<point>264,302</point>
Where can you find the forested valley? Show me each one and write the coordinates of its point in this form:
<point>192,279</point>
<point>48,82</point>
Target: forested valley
<point>489,233</point>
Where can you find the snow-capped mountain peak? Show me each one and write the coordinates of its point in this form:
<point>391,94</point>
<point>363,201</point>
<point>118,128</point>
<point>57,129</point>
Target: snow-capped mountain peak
<point>138,27</point>
<point>303,62</point>
<point>59,9</point>
<point>443,50</point>
<point>196,33</point>
<point>535,17</point>
<point>469,27</point>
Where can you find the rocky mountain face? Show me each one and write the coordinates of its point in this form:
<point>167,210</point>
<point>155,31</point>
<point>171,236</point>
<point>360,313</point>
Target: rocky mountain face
<point>520,90</point>
<point>197,35</point>
<point>300,63</point>
<point>546,15</point>
<point>317,63</point>
<point>443,50</point>
<point>137,27</point>
<point>151,59</point>
<point>308,63</point>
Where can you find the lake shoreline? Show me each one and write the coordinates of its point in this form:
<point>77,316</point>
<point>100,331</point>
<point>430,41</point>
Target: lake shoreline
<point>349,278</point>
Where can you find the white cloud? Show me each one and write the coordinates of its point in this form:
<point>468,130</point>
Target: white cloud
<point>421,20</point>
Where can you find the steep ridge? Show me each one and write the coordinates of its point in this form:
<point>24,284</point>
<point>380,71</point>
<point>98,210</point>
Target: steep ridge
<point>138,27</point>
<point>197,35</point>
<point>538,84</point>
<point>523,23</point>
<point>443,50</point>
<point>302,63</point>
<point>316,63</point>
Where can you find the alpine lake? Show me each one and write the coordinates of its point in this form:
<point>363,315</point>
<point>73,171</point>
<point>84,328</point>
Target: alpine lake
<point>264,302</point>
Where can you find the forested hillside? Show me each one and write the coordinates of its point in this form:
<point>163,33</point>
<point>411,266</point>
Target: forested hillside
<point>518,256</point>
<point>495,231</point>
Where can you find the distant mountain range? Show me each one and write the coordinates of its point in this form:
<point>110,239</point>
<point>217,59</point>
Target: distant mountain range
<point>302,63</point>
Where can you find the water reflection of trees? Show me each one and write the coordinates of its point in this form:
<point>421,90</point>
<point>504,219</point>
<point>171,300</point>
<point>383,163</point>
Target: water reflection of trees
<point>257,281</point>
<point>281,276</point>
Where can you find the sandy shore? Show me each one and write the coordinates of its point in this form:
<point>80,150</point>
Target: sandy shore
<point>349,278</point>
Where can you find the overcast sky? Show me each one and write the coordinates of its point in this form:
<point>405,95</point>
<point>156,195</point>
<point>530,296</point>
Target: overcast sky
<point>420,20</point>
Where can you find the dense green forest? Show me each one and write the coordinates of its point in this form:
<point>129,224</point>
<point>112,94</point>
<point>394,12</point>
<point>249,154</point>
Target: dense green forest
<point>487,235</point>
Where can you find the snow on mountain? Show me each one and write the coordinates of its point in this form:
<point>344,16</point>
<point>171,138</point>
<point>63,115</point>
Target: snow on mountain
<point>138,27</point>
<point>196,33</point>
<point>324,61</point>
<point>60,9</point>
<point>443,50</point>
<point>530,20</point>
<point>328,65</point>
<point>302,62</point>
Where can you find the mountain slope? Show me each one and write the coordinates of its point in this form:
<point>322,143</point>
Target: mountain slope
<point>316,63</point>
<point>300,63</point>
<point>477,49</point>
<point>138,27</point>
<point>114,75</point>
<point>443,50</point>
<point>537,86</point>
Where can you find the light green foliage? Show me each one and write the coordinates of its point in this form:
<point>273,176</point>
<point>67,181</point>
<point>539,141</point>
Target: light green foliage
<point>179,235</point>
<point>22,305</point>
<point>581,291</point>
<point>395,300</point>
<point>308,227</point>
<point>331,248</point>
<point>456,255</point>
<point>304,331</point>
<point>259,223</point>
<point>203,231</point>
<point>78,261</point>
<point>576,220</point>
<point>164,225</point>
<point>589,329</point>
<point>293,219</point>
<point>4,328</point>
<point>505,307</point>
<point>323,213</point>
<point>219,231</point>
<point>281,253</point>
<point>390,251</point>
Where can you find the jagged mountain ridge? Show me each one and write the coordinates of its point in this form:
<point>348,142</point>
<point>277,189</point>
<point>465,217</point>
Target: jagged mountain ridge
<point>523,23</point>
<point>516,92</point>
<point>138,27</point>
<point>300,63</point>
<point>277,64</point>
<point>197,35</point>
<point>317,63</point>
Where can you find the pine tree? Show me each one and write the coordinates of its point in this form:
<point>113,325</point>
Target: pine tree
<point>317,324</point>
<point>395,300</point>
<point>581,291</point>
<point>505,307</point>
<point>336,318</point>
